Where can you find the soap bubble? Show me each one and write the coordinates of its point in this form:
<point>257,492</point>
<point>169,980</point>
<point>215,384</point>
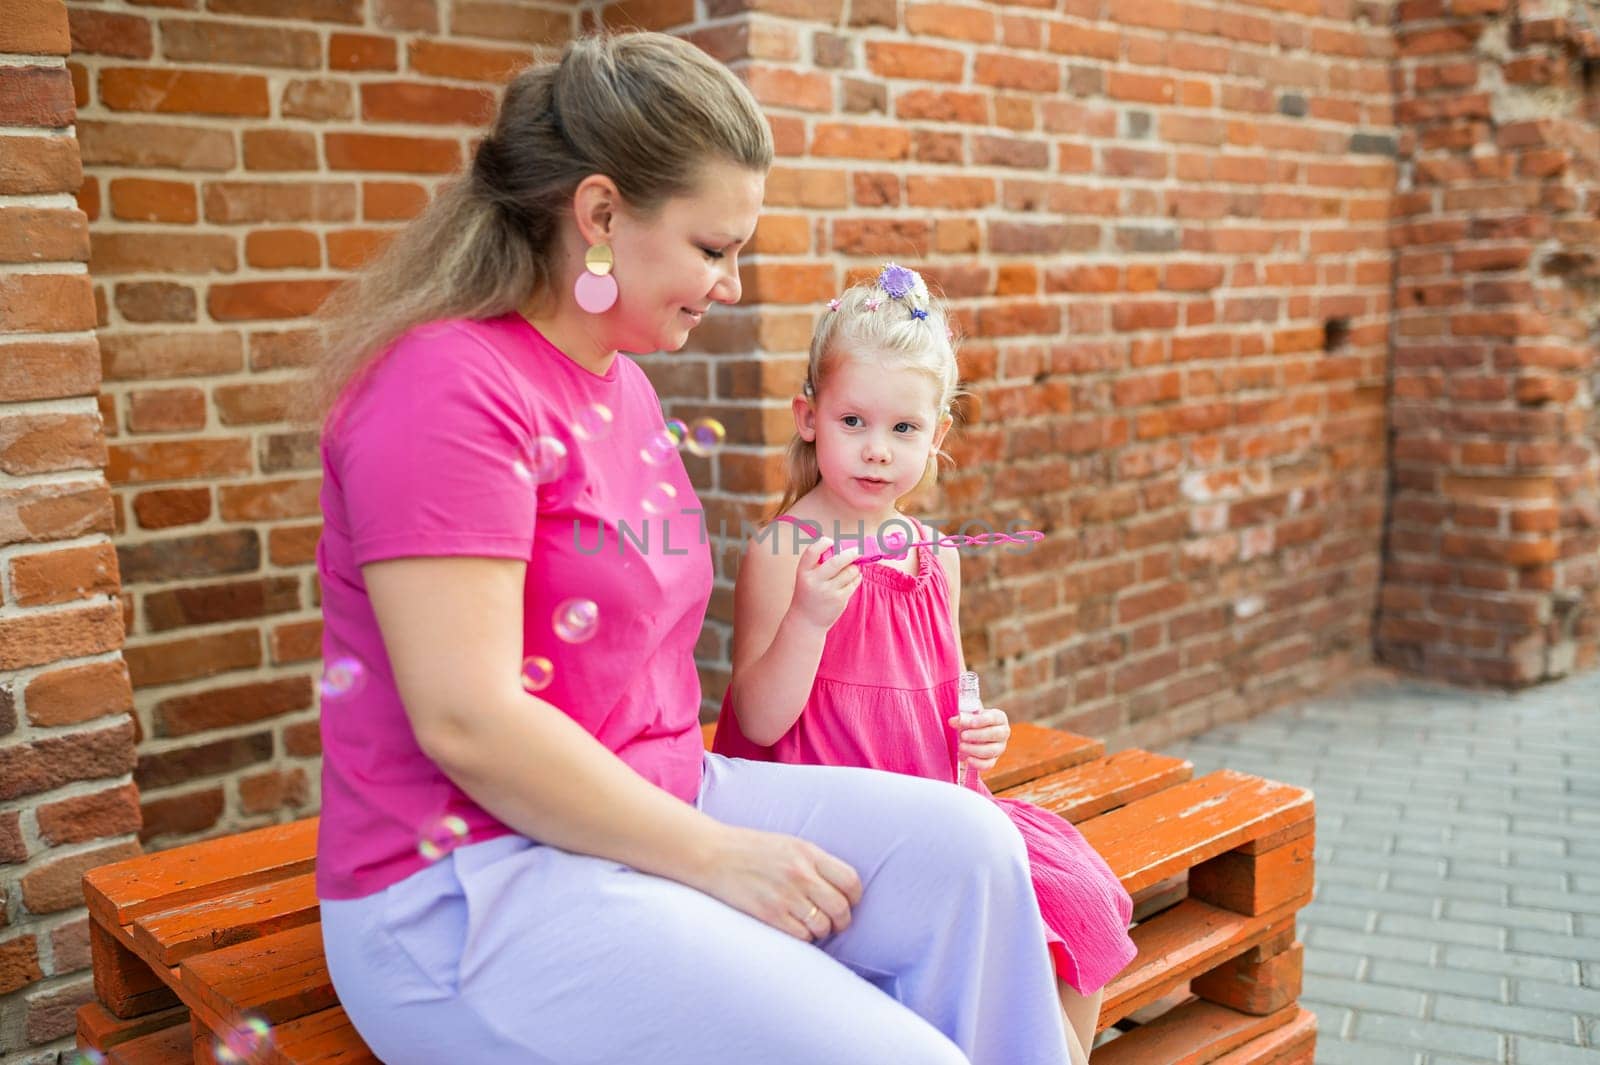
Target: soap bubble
<point>660,498</point>
<point>705,436</point>
<point>576,620</point>
<point>545,461</point>
<point>660,448</point>
<point>244,1043</point>
<point>593,422</point>
<point>442,836</point>
<point>537,673</point>
<point>342,676</point>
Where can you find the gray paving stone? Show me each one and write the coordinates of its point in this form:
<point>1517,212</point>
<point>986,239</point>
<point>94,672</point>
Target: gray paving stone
<point>1443,887</point>
<point>1350,1052</point>
<point>1580,948</point>
<point>1528,1020</point>
<point>1508,916</point>
<point>1428,1035</point>
<point>1371,899</point>
<point>1556,996</point>
<point>1398,948</point>
<point>1555,970</point>
<point>1472,935</point>
<point>1360,995</point>
<point>1330,962</point>
<point>1489,986</point>
<point>1538,1052</point>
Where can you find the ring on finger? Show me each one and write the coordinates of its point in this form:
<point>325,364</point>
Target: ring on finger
<point>806,920</point>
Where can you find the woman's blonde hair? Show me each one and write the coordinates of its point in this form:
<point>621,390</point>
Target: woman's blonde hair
<point>892,320</point>
<point>645,109</point>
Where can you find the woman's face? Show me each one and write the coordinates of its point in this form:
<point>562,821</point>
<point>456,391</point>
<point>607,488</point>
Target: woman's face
<point>673,264</point>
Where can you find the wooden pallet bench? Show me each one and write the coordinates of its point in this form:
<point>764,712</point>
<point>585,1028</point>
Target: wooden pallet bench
<point>193,944</point>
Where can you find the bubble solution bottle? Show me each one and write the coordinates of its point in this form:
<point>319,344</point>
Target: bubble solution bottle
<point>968,701</point>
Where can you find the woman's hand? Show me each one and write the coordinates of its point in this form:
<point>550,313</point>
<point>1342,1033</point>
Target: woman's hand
<point>984,736</point>
<point>783,881</point>
<point>822,589</point>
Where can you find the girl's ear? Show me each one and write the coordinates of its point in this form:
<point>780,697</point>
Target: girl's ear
<point>939,433</point>
<point>805,419</point>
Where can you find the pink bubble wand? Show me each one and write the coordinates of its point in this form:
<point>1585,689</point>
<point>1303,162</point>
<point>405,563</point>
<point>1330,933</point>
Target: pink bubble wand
<point>955,540</point>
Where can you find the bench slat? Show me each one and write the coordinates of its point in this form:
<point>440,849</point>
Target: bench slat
<point>326,1037</point>
<point>1293,1044</point>
<point>1093,788</point>
<point>1180,944</point>
<point>120,892</point>
<point>278,978</point>
<point>1173,830</point>
<point>169,1046</point>
<point>1193,1034</point>
<point>233,917</point>
<point>1034,751</point>
<point>100,1029</point>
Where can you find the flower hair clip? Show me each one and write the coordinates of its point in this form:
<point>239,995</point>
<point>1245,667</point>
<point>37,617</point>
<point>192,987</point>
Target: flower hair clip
<point>906,287</point>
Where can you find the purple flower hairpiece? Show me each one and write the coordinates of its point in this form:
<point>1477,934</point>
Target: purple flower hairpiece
<point>897,281</point>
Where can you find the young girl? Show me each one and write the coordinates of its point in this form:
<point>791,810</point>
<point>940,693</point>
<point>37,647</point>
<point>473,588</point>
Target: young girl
<point>839,660</point>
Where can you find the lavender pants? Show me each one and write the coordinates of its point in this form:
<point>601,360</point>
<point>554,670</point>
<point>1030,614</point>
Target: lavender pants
<point>510,951</point>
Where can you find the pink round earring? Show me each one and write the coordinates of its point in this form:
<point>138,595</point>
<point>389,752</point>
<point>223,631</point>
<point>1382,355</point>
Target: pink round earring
<point>596,289</point>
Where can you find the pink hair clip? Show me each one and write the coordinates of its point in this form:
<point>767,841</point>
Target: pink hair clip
<point>873,304</point>
<point>833,304</point>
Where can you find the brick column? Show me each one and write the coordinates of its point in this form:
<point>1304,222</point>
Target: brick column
<point>66,740</point>
<point>1492,567</point>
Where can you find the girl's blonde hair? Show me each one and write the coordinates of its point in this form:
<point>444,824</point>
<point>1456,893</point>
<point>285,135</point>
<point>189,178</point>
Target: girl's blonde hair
<point>645,109</point>
<point>892,320</point>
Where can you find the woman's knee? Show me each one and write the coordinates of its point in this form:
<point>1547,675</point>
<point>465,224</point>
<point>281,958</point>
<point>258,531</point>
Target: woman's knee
<point>982,830</point>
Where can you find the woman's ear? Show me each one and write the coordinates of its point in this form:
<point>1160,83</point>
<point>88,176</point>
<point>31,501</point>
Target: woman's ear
<point>805,419</point>
<point>597,203</point>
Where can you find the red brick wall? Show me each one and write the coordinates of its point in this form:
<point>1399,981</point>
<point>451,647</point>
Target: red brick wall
<point>1164,226</point>
<point>239,161</point>
<point>66,742</point>
<point>1493,561</point>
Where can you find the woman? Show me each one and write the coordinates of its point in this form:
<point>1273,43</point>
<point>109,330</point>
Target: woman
<point>546,866</point>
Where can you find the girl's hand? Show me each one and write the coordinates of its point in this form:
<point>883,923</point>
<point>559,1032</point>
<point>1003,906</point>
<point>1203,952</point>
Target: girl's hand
<point>783,881</point>
<point>823,589</point>
<point>984,736</point>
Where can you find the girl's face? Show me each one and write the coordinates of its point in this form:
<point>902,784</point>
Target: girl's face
<point>874,427</point>
<point>673,264</point>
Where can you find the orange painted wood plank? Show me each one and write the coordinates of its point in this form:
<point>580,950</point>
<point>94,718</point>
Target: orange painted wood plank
<point>1033,751</point>
<point>169,1046</point>
<point>1257,986</point>
<point>326,1037</point>
<point>1293,1044</point>
<point>1173,830</point>
<point>1181,943</point>
<point>100,1029</point>
<point>124,981</point>
<point>278,978</point>
<point>169,936</point>
<point>1255,883</point>
<point>1091,789</point>
<point>122,891</point>
<point>1193,1034</point>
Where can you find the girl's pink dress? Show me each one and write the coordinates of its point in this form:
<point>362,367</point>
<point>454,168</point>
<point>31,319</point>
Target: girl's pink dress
<point>885,687</point>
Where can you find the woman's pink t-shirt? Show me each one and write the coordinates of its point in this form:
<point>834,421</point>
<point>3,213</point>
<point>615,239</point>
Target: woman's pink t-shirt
<point>437,453</point>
